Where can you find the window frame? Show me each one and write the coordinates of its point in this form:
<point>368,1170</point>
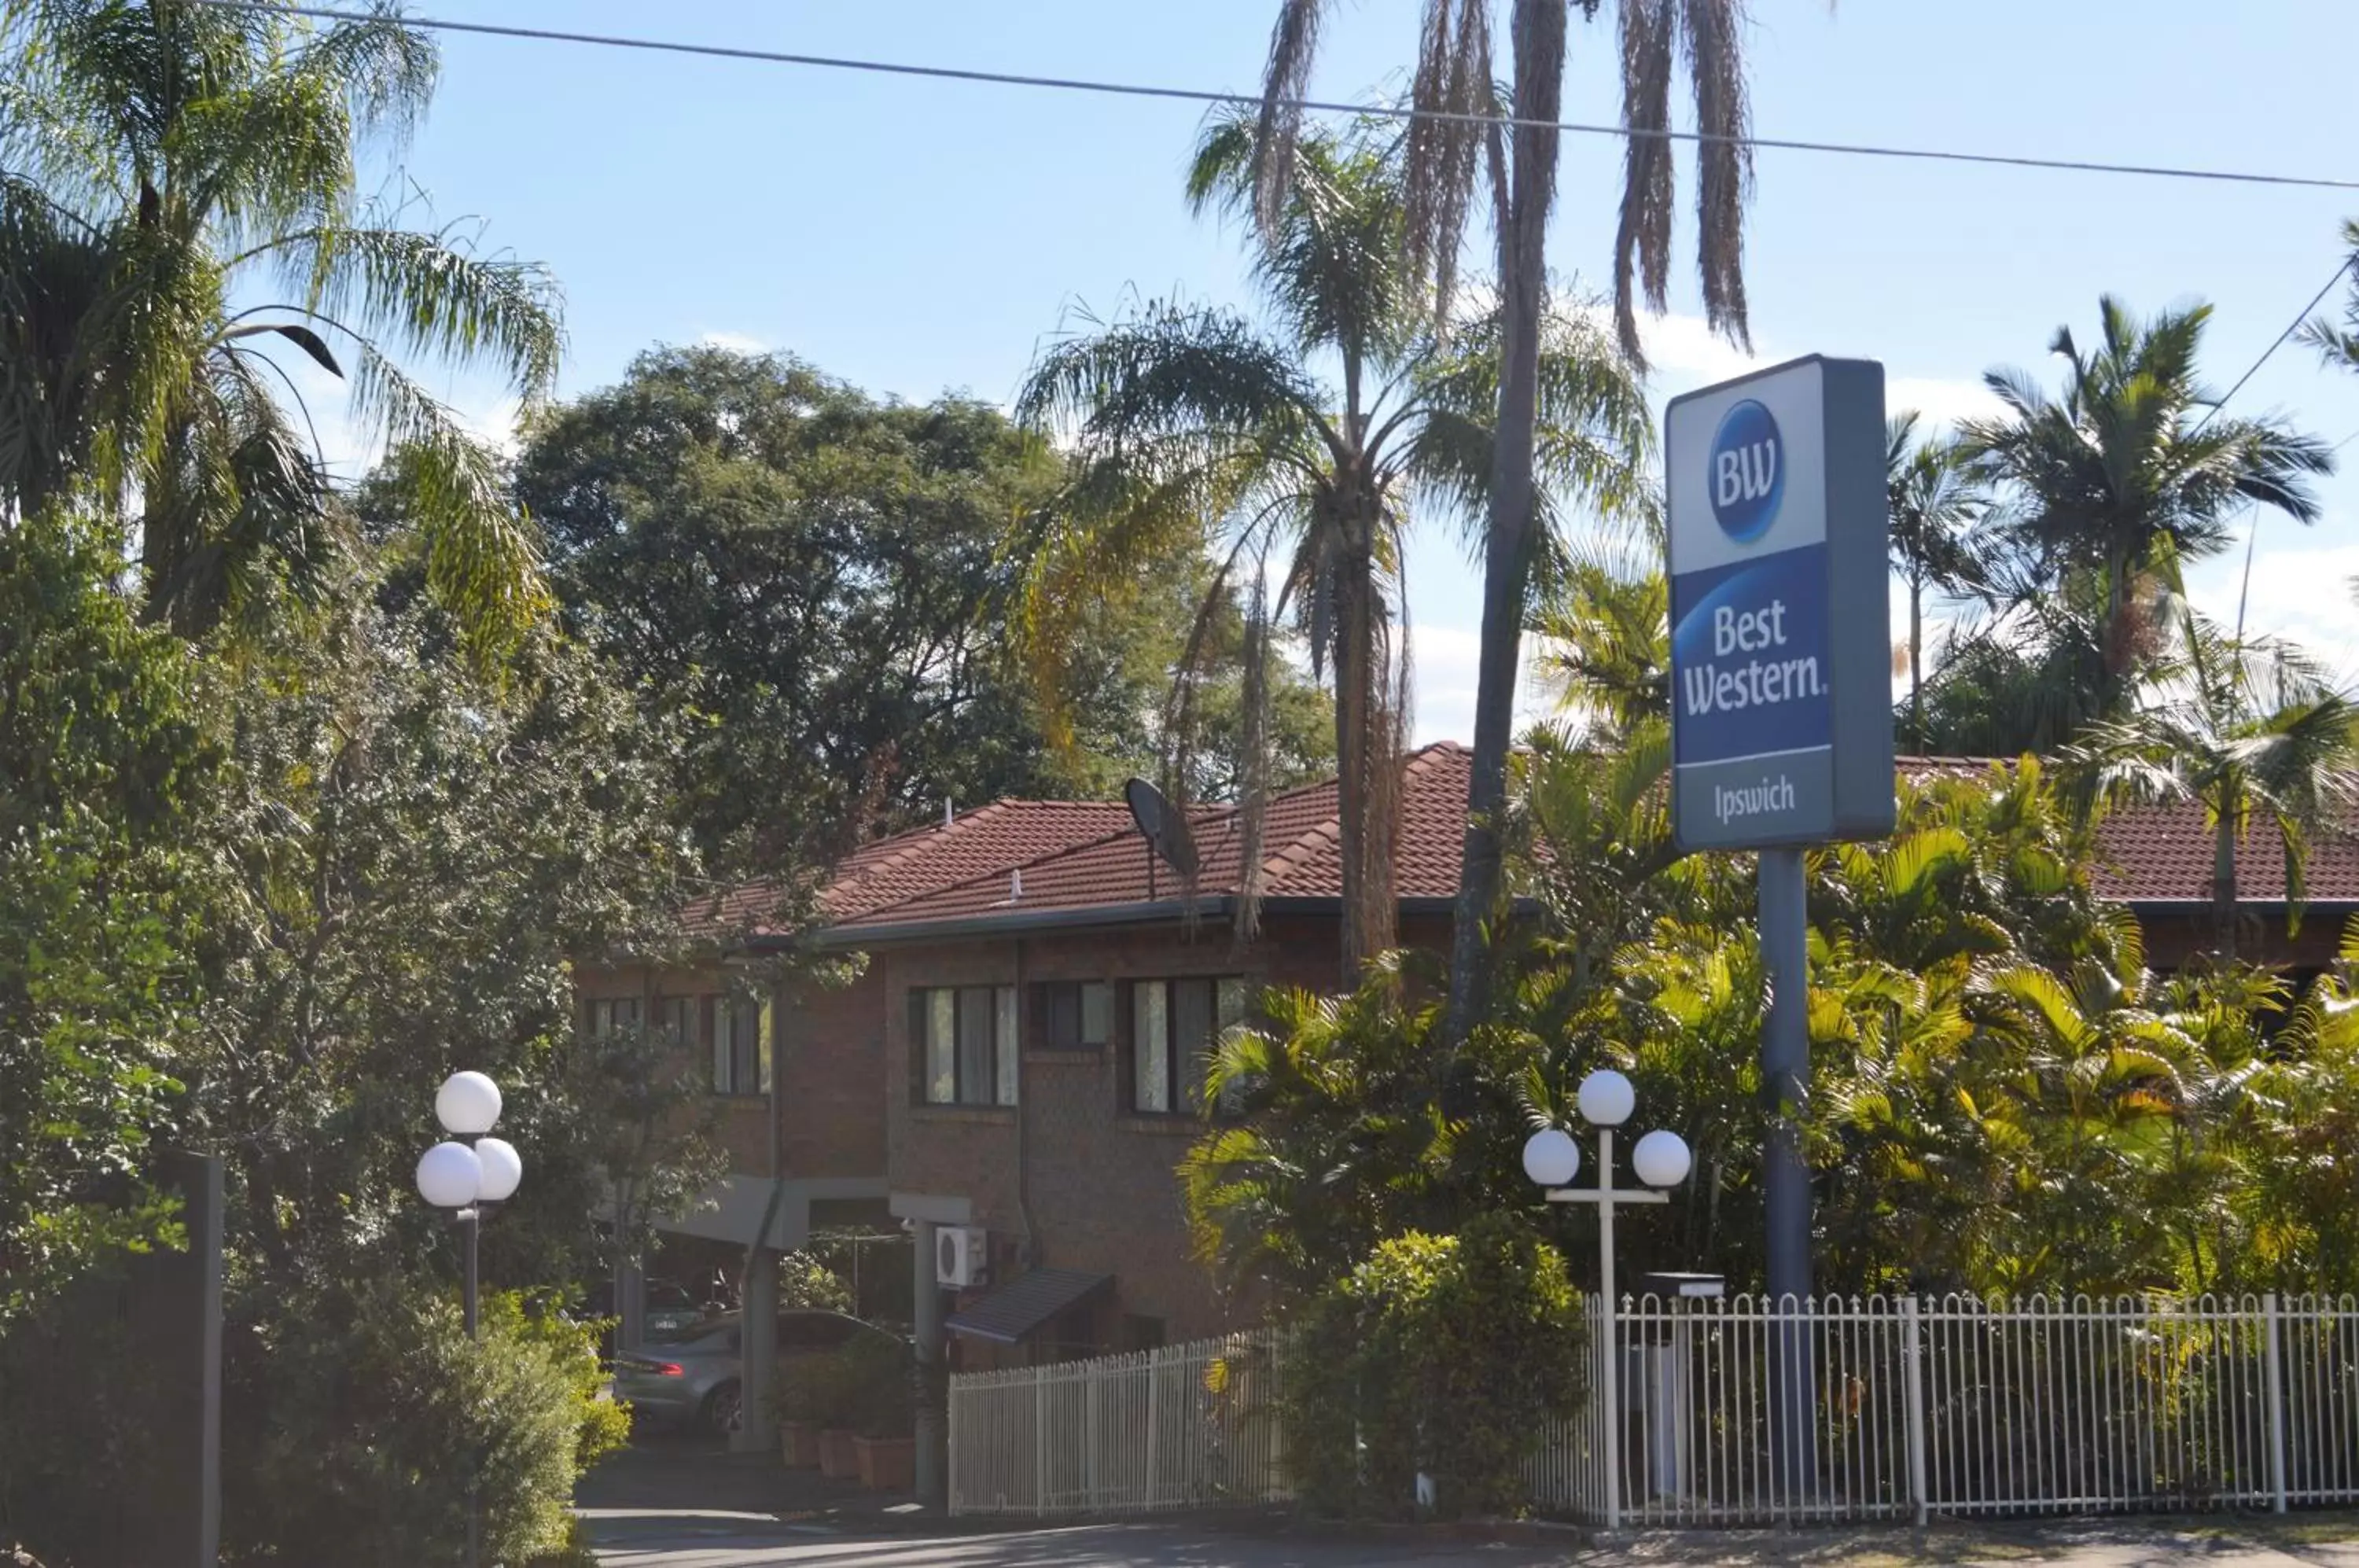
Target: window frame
<point>735,1035</point>
<point>1057,1003</point>
<point>1160,1062</point>
<point>941,1054</point>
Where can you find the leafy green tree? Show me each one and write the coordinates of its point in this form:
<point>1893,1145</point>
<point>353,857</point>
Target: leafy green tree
<point>1606,628</point>
<point>1441,1356</point>
<point>175,160</point>
<point>2106,491</point>
<point>2250,730</point>
<point>1933,507</point>
<point>1182,416</point>
<point>1460,145</point>
<point>815,589</point>
<point>104,768</point>
<point>407,862</point>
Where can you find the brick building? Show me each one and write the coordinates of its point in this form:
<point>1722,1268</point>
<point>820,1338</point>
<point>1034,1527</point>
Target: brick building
<point>1010,1065</point>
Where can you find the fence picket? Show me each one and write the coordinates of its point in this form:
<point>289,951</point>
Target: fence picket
<point>2048,1405</point>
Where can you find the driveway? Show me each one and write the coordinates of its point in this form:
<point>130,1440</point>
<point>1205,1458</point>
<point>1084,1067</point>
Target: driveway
<point>712,1541</point>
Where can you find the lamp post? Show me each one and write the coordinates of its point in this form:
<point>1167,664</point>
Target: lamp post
<point>1553,1158</point>
<point>466,1173</point>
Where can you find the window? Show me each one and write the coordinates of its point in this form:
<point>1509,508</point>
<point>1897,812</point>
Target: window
<point>966,1041</point>
<point>1175,1025</point>
<point>614,1015</point>
<point>679,1017</point>
<point>1076,1015</point>
<point>740,1039</point>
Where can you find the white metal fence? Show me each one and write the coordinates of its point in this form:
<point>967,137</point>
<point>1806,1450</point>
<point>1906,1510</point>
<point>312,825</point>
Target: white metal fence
<point>1189,1426</point>
<point>1951,1406</point>
<point>1959,1406</point>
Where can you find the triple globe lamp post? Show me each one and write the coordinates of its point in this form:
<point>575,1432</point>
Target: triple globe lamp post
<point>1660,1159</point>
<point>464,1174</point>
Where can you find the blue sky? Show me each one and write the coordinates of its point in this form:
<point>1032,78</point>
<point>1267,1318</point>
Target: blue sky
<point>914,236</point>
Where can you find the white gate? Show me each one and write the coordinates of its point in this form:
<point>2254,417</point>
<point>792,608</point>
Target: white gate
<point>1189,1426</point>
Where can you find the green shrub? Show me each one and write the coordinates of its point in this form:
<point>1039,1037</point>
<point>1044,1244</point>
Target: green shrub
<point>1441,1355</point>
<point>361,1419</point>
<point>805,1282</point>
<point>812,1389</point>
<point>881,1374</point>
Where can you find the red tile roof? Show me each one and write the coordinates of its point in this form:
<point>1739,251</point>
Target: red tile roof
<point>1299,859</point>
<point>2163,854</point>
<point>1080,855</point>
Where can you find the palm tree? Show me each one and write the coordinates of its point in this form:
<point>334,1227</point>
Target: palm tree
<point>2251,731</point>
<point>180,159</point>
<point>1178,414</point>
<point>1604,619</point>
<point>2339,345</point>
<point>1462,144</point>
<point>2131,472</point>
<point>1933,503</point>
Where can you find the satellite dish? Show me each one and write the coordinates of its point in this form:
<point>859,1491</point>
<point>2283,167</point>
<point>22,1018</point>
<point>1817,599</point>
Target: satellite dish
<point>1162,825</point>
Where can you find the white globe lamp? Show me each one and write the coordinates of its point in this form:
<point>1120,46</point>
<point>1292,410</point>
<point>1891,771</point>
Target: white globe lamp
<point>448,1176</point>
<point>1661,1158</point>
<point>1606,1098</point>
<point>1551,1157</point>
<point>503,1169</point>
<point>468,1105</point>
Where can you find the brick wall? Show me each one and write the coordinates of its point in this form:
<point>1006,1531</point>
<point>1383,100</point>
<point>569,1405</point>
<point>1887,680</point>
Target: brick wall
<point>1070,1177</point>
<point>827,1049</point>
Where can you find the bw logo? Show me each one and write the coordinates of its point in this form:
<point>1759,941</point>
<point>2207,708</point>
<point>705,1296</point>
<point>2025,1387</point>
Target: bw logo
<point>1748,471</point>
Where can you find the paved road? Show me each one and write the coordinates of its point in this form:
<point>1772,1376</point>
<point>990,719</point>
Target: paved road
<point>687,1503</point>
<point>675,1540</point>
<point>1088,1546</point>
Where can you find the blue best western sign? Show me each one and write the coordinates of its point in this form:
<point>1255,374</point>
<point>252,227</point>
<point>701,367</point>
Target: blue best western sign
<point>1781,684</point>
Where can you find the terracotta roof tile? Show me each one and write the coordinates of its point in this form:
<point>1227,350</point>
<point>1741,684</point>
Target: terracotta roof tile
<point>1079,854</point>
<point>1299,857</point>
<point>2163,854</point>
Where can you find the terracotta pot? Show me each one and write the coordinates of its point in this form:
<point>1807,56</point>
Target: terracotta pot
<point>887,1464</point>
<point>798,1444</point>
<point>837,1459</point>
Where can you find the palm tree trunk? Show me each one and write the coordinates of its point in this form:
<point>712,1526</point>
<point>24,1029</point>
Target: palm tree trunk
<point>1354,717</point>
<point>1916,681</point>
<point>1540,39</point>
<point>2223,882</point>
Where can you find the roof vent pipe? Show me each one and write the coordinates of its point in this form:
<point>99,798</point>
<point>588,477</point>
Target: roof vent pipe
<point>950,811</point>
<point>1016,885</point>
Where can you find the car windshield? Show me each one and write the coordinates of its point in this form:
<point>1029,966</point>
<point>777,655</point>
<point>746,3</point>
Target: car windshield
<point>663,1296</point>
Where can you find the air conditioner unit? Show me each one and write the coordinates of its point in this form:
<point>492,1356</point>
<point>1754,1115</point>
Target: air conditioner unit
<point>961,1257</point>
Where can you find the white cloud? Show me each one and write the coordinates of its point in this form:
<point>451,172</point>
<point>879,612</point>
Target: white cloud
<point>1941,402</point>
<point>1685,348</point>
<point>1448,664</point>
<point>735,343</point>
<point>2303,593</point>
<point>1685,351</point>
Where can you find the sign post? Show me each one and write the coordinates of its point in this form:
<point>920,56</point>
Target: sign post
<point>1781,720</point>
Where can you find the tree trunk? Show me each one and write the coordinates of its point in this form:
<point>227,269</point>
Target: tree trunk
<point>2223,881</point>
<point>1539,29</point>
<point>1355,713</point>
<point>1916,681</point>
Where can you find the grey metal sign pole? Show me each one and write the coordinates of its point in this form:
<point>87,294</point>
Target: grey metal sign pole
<point>1786,1179</point>
<point>1781,724</point>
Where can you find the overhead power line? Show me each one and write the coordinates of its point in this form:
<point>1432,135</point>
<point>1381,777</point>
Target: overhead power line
<point>1311,106</point>
<point>2276,343</point>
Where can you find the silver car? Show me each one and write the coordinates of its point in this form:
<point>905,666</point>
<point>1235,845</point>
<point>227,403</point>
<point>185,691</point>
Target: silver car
<point>697,1379</point>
